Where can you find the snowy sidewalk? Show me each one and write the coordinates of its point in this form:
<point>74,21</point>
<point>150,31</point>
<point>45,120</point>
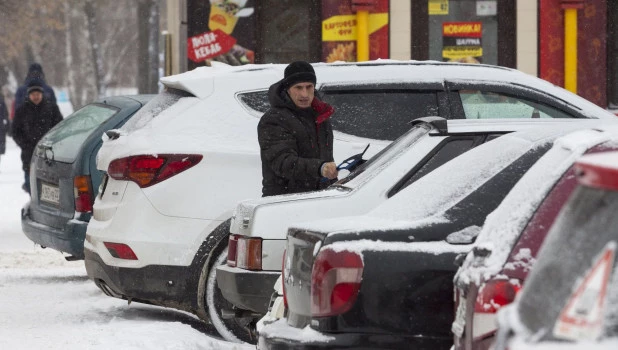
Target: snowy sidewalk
<point>47,302</point>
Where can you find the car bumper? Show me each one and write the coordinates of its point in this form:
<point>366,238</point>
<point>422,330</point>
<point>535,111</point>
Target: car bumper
<point>169,286</point>
<point>249,290</point>
<point>70,240</point>
<point>278,334</point>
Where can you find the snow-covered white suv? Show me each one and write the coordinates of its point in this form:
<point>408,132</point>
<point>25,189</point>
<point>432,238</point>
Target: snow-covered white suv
<point>175,172</point>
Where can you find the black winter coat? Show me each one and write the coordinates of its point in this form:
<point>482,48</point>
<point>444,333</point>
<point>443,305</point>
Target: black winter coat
<point>31,122</point>
<point>294,143</point>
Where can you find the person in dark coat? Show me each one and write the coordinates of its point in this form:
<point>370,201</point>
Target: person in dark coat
<point>296,135</point>
<point>4,125</point>
<point>35,71</point>
<point>33,119</point>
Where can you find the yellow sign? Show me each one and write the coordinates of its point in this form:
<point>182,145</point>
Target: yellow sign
<point>438,7</point>
<point>469,29</point>
<point>343,27</point>
<point>457,52</point>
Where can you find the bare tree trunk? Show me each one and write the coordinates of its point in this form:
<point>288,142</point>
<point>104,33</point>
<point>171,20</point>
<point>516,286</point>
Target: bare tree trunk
<point>148,46</point>
<point>91,20</point>
<point>153,47</point>
<point>68,34</point>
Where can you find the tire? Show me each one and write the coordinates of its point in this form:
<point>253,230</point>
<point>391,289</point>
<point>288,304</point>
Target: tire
<point>233,330</point>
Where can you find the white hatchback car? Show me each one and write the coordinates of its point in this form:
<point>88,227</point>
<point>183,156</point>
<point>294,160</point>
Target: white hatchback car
<point>174,173</point>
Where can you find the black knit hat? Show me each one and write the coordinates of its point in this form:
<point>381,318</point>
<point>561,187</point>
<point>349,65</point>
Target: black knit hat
<point>35,84</point>
<point>298,72</point>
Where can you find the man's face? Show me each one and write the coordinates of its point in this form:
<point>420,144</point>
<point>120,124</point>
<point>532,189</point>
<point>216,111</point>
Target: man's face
<point>302,94</point>
<point>36,97</point>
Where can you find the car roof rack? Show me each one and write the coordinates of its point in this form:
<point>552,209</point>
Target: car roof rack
<point>435,122</point>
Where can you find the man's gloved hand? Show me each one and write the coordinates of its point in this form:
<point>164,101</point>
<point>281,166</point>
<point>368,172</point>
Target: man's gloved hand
<point>329,170</point>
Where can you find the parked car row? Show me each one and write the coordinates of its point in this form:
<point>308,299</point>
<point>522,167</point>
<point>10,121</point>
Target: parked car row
<point>369,261</point>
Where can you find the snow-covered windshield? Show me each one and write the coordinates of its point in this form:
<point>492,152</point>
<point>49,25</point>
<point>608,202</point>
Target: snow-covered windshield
<point>386,155</point>
<point>450,182</point>
<point>156,106</point>
<point>586,229</point>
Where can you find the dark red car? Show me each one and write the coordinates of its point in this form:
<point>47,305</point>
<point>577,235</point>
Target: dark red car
<point>505,251</point>
<point>570,300</point>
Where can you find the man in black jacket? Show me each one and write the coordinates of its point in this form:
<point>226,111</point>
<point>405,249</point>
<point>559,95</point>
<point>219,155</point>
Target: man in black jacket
<point>33,119</point>
<point>296,135</point>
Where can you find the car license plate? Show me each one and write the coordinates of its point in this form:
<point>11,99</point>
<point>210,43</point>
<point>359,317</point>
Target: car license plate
<point>50,194</point>
<point>460,318</point>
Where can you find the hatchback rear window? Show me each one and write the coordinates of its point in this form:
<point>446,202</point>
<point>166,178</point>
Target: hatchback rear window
<point>66,138</point>
<point>156,106</point>
<point>583,229</point>
<point>382,114</point>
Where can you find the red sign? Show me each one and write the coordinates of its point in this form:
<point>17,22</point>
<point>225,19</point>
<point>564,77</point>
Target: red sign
<point>208,45</point>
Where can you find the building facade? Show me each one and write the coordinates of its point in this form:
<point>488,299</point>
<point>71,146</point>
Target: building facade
<point>570,43</point>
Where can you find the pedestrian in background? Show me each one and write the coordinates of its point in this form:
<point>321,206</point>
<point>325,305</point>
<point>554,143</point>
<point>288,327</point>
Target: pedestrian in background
<point>296,135</point>
<point>4,125</point>
<point>33,119</point>
<point>35,72</point>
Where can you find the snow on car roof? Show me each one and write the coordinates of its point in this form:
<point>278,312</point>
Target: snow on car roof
<point>503,226</point>
<point>200,81</point>
<point>445,186</point>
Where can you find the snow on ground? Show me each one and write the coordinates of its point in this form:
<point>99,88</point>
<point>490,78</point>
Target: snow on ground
<point>47,302</point>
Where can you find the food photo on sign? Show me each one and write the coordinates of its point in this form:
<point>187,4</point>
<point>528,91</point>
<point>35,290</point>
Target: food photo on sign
<point>339,30</point>
<point>230,39</point>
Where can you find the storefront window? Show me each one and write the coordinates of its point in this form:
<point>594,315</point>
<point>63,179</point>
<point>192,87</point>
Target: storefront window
<point>463,31</point>
<point>289,30</point>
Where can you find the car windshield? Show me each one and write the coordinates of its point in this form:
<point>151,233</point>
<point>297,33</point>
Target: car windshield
<point>455,179</point>
<point>565,262</point>
<point>66,138</point>
<point>162,102</point>
<point>385,156</point>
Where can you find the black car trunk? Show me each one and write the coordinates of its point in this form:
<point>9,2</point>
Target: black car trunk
<point>52,195</point>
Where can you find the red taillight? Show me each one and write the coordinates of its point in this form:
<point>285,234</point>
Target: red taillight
<point>120,251</point>
<point>335,282</point>
<point>147,170</point>
<point>495,294</point>
<point>231,250</point>
<point>248,253</point>
<point>82,189</point>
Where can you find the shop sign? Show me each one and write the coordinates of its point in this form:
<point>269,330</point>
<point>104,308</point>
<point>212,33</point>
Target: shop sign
<point>344,28</point>
<point>230,39</point>
<point>208,45</point>
<point>438,7</point>
<point>339,30</point>
<point>462,41</point>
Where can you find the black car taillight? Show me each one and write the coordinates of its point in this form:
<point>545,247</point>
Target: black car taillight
<point>84,197</point>
<point>335,281</point>
<point>147,170</point>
